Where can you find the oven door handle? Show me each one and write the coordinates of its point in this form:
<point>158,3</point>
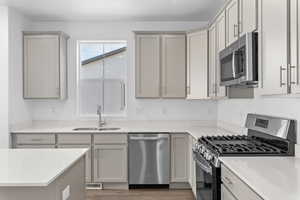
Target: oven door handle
<point>207,169</point>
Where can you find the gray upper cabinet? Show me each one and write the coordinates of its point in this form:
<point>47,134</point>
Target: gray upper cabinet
<point>232,24</point>
<point>294,44</point>
<point>241,17</point>
<point>248,16</point>
<point>197,65</point>
<point>45,65</point>
<point>147,66</point>
<point>160,65</point>
<point>212,61</point>
<point>173,66</point>
<point>220,45</point>
<point>274,47</point>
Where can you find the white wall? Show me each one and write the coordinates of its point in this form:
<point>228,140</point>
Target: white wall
<point>19,111</point>
<point>4,139</point>
<point>137,109</point>
<point>234,111</point>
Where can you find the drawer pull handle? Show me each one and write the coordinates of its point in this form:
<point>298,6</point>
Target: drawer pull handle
<point>36,140</point>
<point>228,180</point>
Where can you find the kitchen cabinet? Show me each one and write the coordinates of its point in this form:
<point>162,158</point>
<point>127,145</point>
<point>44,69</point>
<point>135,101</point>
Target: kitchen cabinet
<point>241,17</point>
<point>233,188</point>
<point>78,141</point>
<point>179,158</point>
<point>294,47</point>
<point>88,159</point>
<point>212,61</point>
<point>147,66</point>
<point>110,158</point>
<point>173,66</point>
<point>33,141</point>
<point>45,65</point>
<point>220,45</point>
<point>197,65</point>
<point>274,47</point>
<point>192,170</point>
<point>110,163</point>
<point>248,16</point>
<point>160,65</point>
<point>232,22</point>
<point>226,194</point>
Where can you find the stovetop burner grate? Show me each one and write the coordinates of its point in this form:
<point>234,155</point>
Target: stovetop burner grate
<point>239,144</point>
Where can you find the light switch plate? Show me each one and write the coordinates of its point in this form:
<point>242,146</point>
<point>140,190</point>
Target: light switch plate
<point>66,193</point>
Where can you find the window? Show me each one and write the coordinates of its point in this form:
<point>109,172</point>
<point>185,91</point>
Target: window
<point>101,77</point>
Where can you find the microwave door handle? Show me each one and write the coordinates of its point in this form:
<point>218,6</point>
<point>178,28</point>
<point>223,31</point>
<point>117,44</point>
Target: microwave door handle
<point>233,64</point>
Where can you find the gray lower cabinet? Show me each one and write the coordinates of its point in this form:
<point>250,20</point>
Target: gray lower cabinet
<point>226,194</point>
<point>180,158</point>
<point>88,159</point>
<point>110,163</point>
<point>78,141</point>
<point>33,141</point>
<point>233,188</point>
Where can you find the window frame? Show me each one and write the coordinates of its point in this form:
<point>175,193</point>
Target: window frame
<point>78,65</point>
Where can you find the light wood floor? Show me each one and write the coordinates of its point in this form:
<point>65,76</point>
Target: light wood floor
<point>140,194</point>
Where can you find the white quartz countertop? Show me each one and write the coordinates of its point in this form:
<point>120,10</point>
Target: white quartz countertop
<point>273,178</point>
<point>194,128</point>
<point>35,167</point>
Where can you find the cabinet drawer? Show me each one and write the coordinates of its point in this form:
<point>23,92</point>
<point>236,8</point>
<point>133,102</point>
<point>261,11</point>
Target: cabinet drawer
<point>110,139</point>
<point>74,139</point>
<point>238,188</point>
<point>35,139</point>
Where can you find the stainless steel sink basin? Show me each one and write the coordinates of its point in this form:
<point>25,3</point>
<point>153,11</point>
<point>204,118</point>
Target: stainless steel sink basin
<point>96,129</point>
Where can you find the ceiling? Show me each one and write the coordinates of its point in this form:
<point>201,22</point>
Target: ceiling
<point>117,10</point>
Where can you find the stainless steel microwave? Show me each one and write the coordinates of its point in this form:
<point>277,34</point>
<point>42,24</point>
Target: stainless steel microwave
<point>239,62</point>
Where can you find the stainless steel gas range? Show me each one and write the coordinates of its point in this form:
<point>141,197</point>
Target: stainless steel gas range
<point>267,136</point>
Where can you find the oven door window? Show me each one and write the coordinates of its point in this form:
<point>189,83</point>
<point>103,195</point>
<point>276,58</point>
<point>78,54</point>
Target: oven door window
<point>227,73</point>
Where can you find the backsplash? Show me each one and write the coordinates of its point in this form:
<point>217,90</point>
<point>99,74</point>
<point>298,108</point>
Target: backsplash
<point>234,111</point>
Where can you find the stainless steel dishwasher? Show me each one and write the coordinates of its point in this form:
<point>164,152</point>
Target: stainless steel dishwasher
<point>149,160</point>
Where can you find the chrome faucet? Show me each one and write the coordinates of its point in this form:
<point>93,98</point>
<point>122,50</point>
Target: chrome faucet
<point>101,122</point>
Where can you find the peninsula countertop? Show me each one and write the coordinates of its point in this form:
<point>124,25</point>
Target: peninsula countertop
<point>35,167</point>
<point>273,178</point>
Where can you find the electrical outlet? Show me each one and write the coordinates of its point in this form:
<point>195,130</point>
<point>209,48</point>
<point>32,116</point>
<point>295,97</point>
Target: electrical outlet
<point>66,193</point>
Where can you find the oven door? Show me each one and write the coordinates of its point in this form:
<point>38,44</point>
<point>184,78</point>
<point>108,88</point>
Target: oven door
<point>208,179</point>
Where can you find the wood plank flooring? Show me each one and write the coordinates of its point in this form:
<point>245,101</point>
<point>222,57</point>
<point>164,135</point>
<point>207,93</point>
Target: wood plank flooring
<point>140,194</point>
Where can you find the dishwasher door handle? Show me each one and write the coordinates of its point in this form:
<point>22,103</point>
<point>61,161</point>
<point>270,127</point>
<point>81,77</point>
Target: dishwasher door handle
<point>148,138</point>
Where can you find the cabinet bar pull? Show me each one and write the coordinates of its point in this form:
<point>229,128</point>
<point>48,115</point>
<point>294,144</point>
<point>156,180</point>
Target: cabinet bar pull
<point>235,30</point>
<point>291,79</point>
<point>281,69</point>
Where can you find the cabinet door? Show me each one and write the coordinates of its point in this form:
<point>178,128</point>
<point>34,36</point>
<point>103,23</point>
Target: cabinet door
<point>88,159</point>
<point>192,170</point>
<point>295,52</point>
<point>173,66</point>
<point>226,194</point>
<point>147,66</point>
<point>232,31</point>
<point>212,62</point>
<point>110,163</point>
<point>179,158</point>
<point>41,66</point>
<point>248,16</point>
<point>274,47</point>
<point>220,45</point>
<point>197,65</point>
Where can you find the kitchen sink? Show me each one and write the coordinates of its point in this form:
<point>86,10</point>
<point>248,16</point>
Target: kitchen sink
<point>96,129</point>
